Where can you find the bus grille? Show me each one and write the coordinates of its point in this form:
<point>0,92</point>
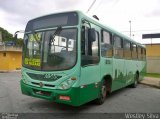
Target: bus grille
<point>44,77</point>
<point>47,85</point>
<point>39,92</point>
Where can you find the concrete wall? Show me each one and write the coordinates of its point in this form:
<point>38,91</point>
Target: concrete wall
<point>10,60</point>
<point>153,58</point>
<point>153,50</point>
<point>153,64</point>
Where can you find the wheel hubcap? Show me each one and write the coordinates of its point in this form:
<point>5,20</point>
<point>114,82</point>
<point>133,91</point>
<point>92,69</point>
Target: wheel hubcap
<point>103,92</point>
<point>136,81</point>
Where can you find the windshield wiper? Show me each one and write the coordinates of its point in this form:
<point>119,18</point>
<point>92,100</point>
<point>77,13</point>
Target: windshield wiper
<point>58,31</point>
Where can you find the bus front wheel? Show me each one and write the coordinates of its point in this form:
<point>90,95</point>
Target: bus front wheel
<point>134,85</point>
<point>103,94</point>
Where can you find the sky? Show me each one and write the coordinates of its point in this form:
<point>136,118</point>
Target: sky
<point>143,14</point>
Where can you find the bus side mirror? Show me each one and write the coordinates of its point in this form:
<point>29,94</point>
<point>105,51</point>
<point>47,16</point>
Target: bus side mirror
<point>16,33</point>
<point>91,35</point>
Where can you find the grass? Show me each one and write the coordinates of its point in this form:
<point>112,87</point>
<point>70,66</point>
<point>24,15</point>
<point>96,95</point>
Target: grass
<point>155,75</point>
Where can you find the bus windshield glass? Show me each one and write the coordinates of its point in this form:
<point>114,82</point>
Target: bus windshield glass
<point>51,49</point>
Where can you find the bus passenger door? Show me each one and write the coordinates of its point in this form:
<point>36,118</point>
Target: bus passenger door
<point>90,66</point>
<point>107,54</point>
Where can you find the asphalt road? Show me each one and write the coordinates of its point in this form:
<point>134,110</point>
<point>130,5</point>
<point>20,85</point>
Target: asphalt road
<point>142,99</point>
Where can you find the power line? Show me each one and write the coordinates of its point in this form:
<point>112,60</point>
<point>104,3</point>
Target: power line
<point>97,6</point>
<point>113,4</point>
<point>91,6</point>
<point>143,30</point>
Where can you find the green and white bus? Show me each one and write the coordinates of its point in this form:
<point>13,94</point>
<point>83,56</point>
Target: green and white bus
<point>71,58</point>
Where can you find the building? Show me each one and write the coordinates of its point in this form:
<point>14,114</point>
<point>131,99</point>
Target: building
<point>153,58</point>
<point>10,58</point>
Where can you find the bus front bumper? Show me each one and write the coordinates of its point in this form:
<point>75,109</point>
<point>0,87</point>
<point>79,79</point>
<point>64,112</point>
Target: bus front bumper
<point>69,96</point>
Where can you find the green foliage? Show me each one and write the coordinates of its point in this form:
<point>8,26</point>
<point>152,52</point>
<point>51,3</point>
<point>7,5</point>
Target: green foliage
<point>155,75</point>
<point>6,36</point>
<point>19,42</point>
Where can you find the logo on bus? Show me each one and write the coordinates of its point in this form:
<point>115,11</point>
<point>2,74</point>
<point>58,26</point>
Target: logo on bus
<point>40,84</point>
<point>48,76</point>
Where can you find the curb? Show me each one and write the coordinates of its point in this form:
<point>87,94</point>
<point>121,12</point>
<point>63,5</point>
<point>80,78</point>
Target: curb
<point>151,85</point>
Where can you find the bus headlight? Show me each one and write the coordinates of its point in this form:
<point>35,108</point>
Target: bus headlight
<point>66,84</point>
<point>24,79</point>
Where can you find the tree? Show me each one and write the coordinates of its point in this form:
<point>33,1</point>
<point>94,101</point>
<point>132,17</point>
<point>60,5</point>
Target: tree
<point>19,42</point>
<point>6,36</point>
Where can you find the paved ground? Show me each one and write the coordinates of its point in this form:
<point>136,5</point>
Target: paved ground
<point>142,99</point>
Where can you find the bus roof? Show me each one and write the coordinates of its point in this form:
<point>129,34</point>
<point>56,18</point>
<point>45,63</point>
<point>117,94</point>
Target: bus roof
<point>96,22</point>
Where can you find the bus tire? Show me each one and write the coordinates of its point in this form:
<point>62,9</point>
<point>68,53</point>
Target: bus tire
<point>134,85</point>
<point>103,93</point>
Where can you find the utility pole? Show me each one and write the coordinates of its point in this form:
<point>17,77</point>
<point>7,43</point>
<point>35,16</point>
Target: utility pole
<point>130,27</point>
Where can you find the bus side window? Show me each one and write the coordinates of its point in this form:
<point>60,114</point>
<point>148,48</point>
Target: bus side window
<point>134,51</point>
<point>139,53</point>
<point>127,49</point>
<point>118,47</point>
<point>144,54</point>
<point>95,46</point>
<point>106,44</point>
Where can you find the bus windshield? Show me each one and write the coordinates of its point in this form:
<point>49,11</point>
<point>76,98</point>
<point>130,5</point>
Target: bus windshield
<point>48,50</point>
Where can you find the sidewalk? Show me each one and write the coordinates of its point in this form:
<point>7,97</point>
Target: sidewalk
<point>150,81</point>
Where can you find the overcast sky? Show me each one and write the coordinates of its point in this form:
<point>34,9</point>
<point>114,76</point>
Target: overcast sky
<point>144,14</point>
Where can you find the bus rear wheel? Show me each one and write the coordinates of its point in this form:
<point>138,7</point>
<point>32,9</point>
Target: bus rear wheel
<point>102,95</point>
